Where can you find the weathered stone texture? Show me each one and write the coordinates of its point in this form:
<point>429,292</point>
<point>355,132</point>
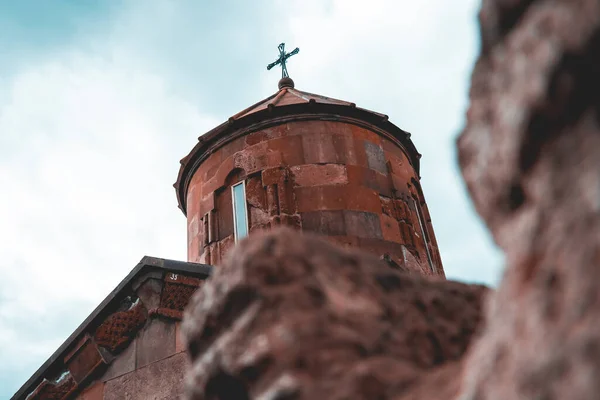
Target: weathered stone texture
<point>530,155</point>
<point>155,342</point>
<point>160,380</point>
<point>289,314</point>
<point>94,392</point>
<point>122,364</point>
<point>297,170</point>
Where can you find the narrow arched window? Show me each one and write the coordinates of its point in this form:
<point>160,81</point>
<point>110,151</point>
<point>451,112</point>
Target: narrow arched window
<point>240,210</point>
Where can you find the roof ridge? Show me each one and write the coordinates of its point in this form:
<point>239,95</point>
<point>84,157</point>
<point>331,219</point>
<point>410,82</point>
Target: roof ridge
<point>298,93</point>
<point>322,97</point>
<point>278,97</point>
<point>263,101</point>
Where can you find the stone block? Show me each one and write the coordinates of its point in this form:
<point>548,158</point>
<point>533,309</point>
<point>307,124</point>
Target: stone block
<point>410,261</point>
<point>304,128</point>
<point>387,206</point>
<point>252,158</point>
<point>340,197</point>
<point>364,134</point>
<point>375,157</point>
<point>396,165</point>
<point>400,184</point>
<point>318,148</point>
<point>290,149</point>
<point>344,241</point>
<point>343,146</point>
<point>359,198</point>
<point>224,217</point>
<point>149,292</point>
<point>292,221</point>
<point>202,258</point>
<point>390,147</point>
<point>337,127</point>
<point>84,359</point>
<point>193,224</point>
<point>319,174</point>
<point>193,194</point>
<point>360,153</point>
<point>155,341</point>
<point>206,204</point>
<point>53,389</point>
<point>255,192</point>
<point>258,216</point>
<point>123,363</point>
<point>209,167</point>
<point>267,134</point>
<point>179,342</point>
<point>370,178</point>
<point>403,212</point>
<point>320,198</point>
<point>233,147</point>
<point>94,392</point>
<point>160,380</point>
<point>362,224</point>
<point>273,176</point>
<point>390,229</point>
<point>225,246</point>
<point>194,247</point>
<point>407,232</point>
<point>208,187</point>
<point>324,222</point>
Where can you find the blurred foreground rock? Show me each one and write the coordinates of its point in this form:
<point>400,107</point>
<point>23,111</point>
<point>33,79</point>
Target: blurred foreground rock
<point>290,316</point>
<point>530,155</point>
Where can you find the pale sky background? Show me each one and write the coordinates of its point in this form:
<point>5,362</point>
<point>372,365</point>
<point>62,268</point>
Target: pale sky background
<point>99,100</point>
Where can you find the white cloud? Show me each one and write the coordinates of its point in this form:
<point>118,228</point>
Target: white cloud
<point>90,148</point>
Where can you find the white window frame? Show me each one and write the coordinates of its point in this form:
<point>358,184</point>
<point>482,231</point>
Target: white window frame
<point>245,205</point>
<point>421,224</point>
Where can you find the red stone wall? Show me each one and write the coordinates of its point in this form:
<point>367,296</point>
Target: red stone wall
<point>339,179</point>
<point>151,363</point>
<point>135,352</point>
<point>152,366</point>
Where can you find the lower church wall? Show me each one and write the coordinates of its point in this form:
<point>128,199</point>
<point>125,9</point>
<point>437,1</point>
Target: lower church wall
<point>151,367</point>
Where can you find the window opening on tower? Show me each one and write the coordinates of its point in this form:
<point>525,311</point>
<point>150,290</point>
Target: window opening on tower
<point>240,210</point>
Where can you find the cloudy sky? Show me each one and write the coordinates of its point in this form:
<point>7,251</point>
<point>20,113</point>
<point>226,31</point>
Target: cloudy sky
<point>99,100</point>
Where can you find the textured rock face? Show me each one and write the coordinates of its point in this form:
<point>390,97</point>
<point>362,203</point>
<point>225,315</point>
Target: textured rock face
<point>530,155</point>
<point>289,315</point>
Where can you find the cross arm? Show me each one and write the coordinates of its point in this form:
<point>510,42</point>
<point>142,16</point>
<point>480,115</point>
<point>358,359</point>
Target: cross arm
<point>273,64</point>
<point>291,53</point>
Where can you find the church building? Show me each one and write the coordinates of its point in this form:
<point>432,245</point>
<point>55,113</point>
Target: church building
<point>298,159</point>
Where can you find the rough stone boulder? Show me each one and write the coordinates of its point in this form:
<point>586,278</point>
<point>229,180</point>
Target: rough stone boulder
<point>290,316</point>
<point>530,156</point>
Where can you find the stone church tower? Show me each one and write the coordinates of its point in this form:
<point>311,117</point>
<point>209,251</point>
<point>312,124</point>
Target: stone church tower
<point>314,163</point>
<point>296,159</point>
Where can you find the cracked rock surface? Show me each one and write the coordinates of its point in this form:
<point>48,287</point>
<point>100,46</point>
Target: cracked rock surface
<point>530,155</point>
<point>290,316</point>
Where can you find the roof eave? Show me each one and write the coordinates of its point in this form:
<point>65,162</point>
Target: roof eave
<point>146,264</point>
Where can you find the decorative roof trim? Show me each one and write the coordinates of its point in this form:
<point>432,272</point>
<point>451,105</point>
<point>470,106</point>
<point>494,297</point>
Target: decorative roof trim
<point>148,265</point>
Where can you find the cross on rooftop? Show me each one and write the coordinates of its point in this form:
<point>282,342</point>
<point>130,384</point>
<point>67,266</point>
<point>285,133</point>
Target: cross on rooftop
<point>282,58</point>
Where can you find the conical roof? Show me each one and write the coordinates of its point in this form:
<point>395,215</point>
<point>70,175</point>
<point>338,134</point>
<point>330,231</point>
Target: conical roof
<point>286,105</point>
<point>289,95</point>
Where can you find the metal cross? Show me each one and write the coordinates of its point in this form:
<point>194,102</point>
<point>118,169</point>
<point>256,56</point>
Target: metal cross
<point>282,58</point>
